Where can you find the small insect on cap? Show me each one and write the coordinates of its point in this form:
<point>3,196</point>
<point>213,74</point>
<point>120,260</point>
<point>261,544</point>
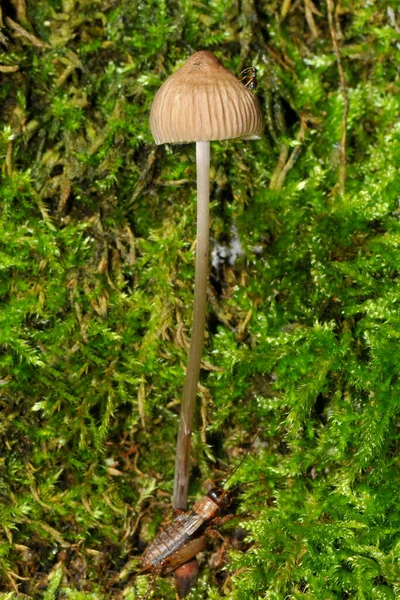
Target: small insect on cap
<point>203,101</point>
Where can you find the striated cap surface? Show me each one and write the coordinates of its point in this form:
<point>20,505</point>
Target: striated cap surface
<point>203,101</point>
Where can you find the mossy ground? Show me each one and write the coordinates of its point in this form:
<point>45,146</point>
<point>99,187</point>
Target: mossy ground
<point>96,256</point>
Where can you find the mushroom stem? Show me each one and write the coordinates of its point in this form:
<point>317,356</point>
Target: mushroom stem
<point>181,482</point>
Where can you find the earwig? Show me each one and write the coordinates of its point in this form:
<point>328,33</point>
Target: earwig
<point>185,537</point>
<point>181,541</point>
<point>250,78</point>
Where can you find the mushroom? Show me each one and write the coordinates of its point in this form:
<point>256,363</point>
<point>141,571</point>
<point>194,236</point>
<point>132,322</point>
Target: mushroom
<point>200,102</point>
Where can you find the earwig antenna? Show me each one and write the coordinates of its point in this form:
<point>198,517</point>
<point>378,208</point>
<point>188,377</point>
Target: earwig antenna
<point>254,63</point>
<point>252,481</point>
<point>243,459</point>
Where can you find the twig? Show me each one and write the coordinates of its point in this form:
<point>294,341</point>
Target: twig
<point>20,7</point>
<point>146,177</point>
<point>9,163</point>
<point>21,32</point>
<point>281,170</point>
<point>343,87</point>
<point>285,8</point>
<point>308,10</point>
<point>8,68</point>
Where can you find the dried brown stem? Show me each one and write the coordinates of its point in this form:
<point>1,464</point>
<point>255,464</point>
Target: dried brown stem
<point>343,87</point>
<point>23,33</point>
<point>283,167</point>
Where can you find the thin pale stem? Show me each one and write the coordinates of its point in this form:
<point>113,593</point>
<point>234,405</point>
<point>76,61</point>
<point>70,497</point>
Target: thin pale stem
<point>182,463</point>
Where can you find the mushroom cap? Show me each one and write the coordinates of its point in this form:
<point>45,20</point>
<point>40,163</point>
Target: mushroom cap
<point>203,101</point>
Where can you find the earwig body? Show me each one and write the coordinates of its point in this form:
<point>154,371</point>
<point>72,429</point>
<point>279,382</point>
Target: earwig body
<point>184,538</point>
<point>172,547</point>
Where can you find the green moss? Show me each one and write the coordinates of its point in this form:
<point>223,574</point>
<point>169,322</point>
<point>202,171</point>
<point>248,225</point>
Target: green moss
<point>96,274</point>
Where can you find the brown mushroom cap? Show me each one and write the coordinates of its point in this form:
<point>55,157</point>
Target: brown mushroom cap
<point>203,101</point>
